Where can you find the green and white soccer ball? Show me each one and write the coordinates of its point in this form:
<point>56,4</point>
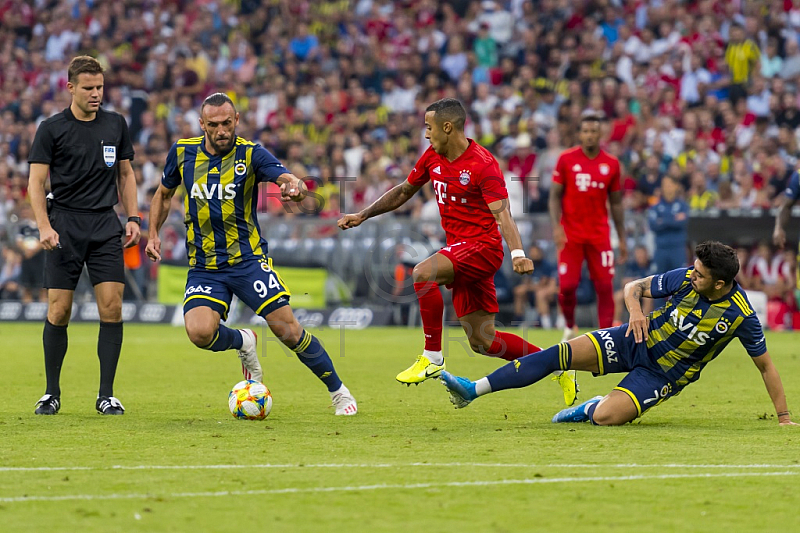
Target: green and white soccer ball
<point>250,400</point>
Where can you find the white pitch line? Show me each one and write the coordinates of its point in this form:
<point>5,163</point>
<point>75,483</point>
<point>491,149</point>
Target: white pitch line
<point>412,486</point>
<point>378,465</point>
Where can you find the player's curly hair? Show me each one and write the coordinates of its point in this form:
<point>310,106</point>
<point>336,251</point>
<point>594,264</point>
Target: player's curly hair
<point>720,259</point>
<point>83,65</point>
<point>449,110</point>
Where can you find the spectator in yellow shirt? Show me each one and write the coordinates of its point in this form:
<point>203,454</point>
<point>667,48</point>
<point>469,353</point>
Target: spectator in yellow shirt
<point>743,57</point>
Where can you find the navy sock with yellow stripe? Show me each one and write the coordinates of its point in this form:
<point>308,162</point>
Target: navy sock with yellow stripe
<point>225,339</point>
<point>312,354</point>
<point>531,368</point>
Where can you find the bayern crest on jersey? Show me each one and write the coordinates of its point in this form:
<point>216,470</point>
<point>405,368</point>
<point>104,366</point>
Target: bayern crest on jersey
<point>604,169</point>
<point>464,177</point>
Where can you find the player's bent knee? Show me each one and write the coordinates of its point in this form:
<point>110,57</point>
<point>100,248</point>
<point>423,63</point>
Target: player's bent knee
<point>421,273</point>
<point>199,335</point>
<point>480,345</point>
<point>608,416</point>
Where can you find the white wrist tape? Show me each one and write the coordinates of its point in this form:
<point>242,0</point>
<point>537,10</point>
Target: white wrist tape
<point>517,253</point>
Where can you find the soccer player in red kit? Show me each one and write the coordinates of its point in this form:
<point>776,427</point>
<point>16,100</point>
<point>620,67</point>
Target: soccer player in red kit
<point>472,198</point>
<point>584,180</point>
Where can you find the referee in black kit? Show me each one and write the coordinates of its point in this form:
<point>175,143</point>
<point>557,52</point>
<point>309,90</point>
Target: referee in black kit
<point>87,152</point>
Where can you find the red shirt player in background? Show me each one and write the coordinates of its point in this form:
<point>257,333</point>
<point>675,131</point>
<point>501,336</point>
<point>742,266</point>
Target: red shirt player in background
<point>473,201</point>
<point>584,180</point>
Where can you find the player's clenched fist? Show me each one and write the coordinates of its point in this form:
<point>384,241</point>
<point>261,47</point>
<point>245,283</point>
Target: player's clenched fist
<point>523,265</point>
<point>350,221</point>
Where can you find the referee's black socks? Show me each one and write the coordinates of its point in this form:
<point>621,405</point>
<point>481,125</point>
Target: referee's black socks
<point>109,345</point>
<point>55,343</point>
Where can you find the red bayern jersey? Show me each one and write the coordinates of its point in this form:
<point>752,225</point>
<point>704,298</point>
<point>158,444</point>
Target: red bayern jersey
<point>463,190</point>
<point>587,184</point>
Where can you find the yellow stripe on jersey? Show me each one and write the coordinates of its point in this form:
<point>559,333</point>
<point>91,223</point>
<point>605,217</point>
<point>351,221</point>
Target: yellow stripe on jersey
<point>686,378</point>
<point>244,142</point>
<point>671,358</point>
<point>599,354</point>
<point>204,212</point>
<point>191,140</point>
<point>706,325</point>
<point>190,233</point>
<point>250,184</point>
<point>738,298</point>
<point>227,177</point>
<point>653,338</point>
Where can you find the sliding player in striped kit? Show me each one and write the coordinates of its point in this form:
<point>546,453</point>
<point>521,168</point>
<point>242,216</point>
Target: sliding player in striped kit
<point>661,354</point>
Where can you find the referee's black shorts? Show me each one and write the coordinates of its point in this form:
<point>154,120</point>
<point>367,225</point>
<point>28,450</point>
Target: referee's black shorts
<point>91,238</point>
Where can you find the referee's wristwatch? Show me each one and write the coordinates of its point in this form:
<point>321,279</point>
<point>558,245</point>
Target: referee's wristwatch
<point>138,220</point>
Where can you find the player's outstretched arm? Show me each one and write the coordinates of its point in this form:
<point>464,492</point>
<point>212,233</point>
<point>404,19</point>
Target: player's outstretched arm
<point>772,380</point>
<point>159,209</point>
<point>391,200</point>
<point>633,293</point>
<point>292,188</point>
<point>508,228</point>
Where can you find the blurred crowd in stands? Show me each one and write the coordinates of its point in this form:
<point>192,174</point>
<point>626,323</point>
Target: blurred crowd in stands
<point>706,92</point>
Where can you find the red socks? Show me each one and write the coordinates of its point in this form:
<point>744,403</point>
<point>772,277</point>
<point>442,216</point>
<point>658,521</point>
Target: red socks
<point>568,300</point>
<point>605,304</point>
<point>431,308</point>
<point>510,347</point>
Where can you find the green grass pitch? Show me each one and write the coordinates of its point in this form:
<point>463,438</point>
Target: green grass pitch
<point>712,459</point>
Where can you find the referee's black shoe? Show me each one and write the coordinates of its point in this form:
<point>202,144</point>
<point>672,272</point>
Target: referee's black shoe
<point>108,405</point>
<point>48,405</point>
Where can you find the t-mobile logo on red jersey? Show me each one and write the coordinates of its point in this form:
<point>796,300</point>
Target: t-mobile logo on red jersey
<point>440,188</point>
<point>583,180</point>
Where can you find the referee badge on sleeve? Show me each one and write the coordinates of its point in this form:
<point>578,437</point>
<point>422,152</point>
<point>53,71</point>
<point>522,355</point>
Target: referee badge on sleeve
<point>110,155</point>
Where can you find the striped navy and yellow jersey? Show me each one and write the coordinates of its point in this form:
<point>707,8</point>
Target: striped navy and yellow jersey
<point>221,199</point>
<point>691,330</point>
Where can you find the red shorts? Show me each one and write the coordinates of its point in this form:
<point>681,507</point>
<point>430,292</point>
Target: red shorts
<point>600,257</point>
<point>475,264</point>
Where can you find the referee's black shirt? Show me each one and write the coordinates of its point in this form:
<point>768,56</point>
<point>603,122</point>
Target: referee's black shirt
<point>83,158</point>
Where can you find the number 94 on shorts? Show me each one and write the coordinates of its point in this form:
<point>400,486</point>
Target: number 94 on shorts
<point>256,283</point>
